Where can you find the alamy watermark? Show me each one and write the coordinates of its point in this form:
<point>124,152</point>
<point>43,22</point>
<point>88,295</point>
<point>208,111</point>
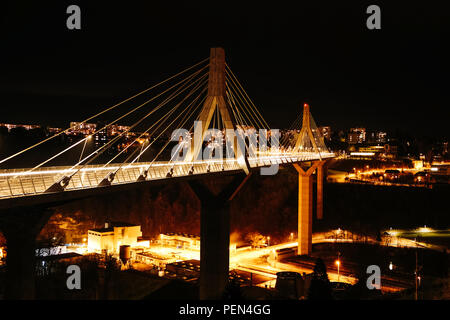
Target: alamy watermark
<point>374,280</point>
<point>73,22</point>
<point>74,280</point>
<point>374,20</point>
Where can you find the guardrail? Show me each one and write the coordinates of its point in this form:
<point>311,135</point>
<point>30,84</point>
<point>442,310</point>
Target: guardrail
<point>23,182</point>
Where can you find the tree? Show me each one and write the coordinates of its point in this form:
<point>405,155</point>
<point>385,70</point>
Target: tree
<point>256,239</point>
<point>320,288</point>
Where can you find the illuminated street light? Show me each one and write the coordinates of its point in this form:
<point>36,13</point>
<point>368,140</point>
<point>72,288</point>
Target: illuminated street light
<point>338,263</point>
<point>391,266</point>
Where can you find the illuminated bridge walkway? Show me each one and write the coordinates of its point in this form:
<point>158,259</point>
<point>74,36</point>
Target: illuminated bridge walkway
<point>21,182</point>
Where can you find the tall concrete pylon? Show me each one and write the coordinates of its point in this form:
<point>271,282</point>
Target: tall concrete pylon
<point>216,99</point>
<point>215,209</point>
<point>306,130</point>
<point>305,188</point>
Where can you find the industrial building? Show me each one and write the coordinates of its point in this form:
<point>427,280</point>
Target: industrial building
<point>184,241</point>
<point>180,240</point>
<point>153,259</point>
<point>113,235</point>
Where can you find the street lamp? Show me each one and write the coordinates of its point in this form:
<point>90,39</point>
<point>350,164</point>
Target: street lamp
<point>338,263</point>
<point>292,236</point>
<point>268,241</point>
<point>391,266</point>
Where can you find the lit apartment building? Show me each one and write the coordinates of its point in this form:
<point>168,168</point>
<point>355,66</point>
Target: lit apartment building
<point>356,135</point>
<point>83,128</point>
<point>377,137</point>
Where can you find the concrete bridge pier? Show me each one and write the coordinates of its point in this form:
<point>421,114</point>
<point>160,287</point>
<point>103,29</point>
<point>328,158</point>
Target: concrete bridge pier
<point>305,204</point>
<point>215,236</point>
<point>20,228</point>
<point>320,175</point>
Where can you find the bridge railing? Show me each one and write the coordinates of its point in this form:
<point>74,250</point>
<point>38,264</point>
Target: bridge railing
<point>22,182</point>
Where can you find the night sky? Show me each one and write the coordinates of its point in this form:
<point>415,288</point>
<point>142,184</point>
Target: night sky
<point>322,53</point>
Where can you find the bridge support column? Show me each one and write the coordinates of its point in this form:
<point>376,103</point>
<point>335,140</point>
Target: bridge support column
<point>305,206</point>
<point>215,236</point>
<point>320,192</point>
<point>20,229</point>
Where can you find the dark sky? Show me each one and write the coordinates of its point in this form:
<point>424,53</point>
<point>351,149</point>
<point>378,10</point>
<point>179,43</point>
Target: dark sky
<point>284,54</point>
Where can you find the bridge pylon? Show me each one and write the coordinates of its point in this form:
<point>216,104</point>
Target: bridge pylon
<point>312,140</point>
<point>216,99</point>
<point>309,137</point>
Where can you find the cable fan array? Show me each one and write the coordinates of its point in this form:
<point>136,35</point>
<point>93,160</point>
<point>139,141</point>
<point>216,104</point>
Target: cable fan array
<point>145,149</point>
<point>171,104</point>
<point>298,140</point>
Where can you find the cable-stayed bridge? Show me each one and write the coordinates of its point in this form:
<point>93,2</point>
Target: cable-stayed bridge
<point>208,92</point>
<point>199,123</point>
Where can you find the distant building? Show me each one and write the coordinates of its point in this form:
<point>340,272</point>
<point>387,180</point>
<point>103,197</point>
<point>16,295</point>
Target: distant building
<point>112,236</point>
<point>352,138</point>
<point>25,126</point>
<point>376,137</point>
<point>356,135</point>
<point>101,136</point>
<point>82,128</point>
<point>180,240</point>
<point>326,132</point>
<point>115,129</point>
<point>375,149</point>
<point>185,241</point>
<point>283,253</point>
<point>418,164</point>
<point>54,130</point>
<point>153,258</point>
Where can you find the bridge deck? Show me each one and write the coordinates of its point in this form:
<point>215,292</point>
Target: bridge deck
<point>23,182</point>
